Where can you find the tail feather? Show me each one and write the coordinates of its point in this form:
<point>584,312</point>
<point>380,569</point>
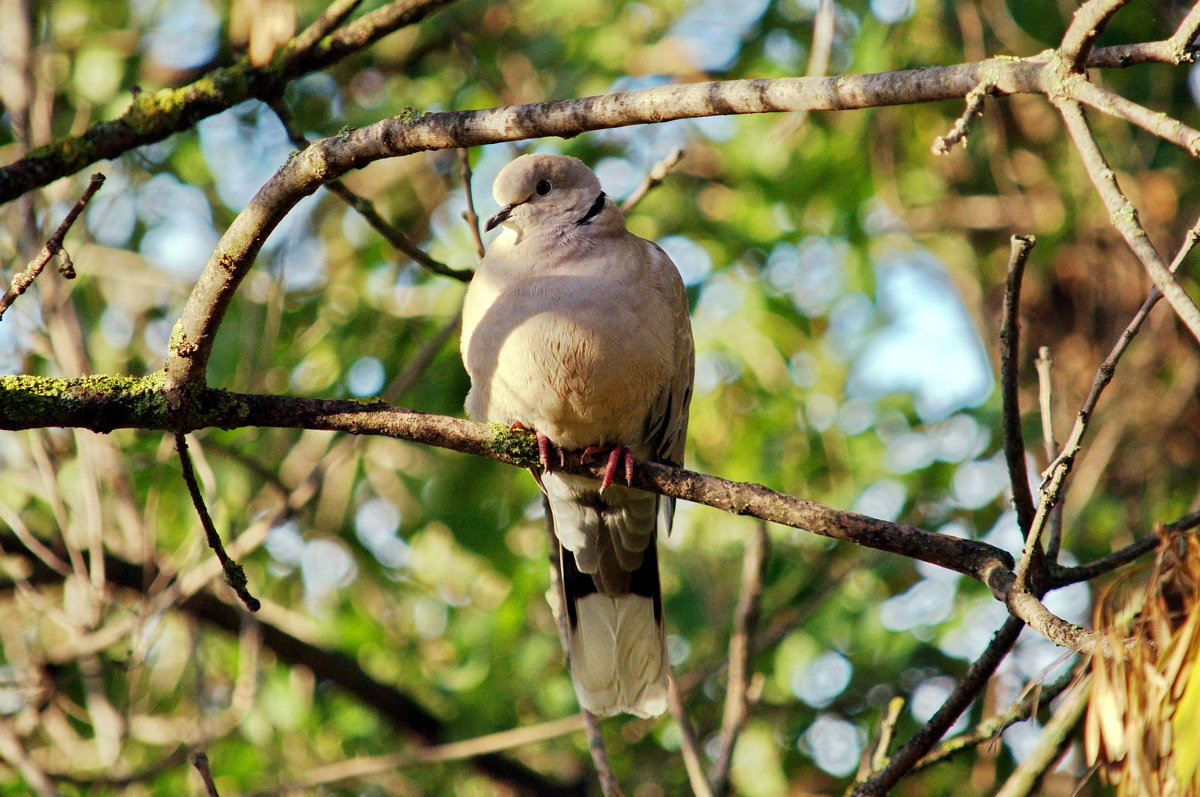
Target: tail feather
<point>617,655</point>
<point>616,643</point>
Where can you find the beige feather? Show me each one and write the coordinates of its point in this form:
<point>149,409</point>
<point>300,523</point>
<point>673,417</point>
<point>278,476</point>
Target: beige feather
<point>577,328</point>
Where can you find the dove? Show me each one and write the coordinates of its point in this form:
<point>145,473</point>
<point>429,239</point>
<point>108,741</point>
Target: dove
<point>578,329</point>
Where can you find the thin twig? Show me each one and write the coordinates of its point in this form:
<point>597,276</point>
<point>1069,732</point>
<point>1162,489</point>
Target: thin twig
<point>1051,744</point>
<point>1123,215</point>
<point>452,751</point>
<point>887,729</point>
<point>591,725</point>
<point>609,785</point>
<point>1062,464</point>
<point>1027,705</point>
<point>54,246</point>
<point>962,126</point>
<point>365,208</point>
<point>418,363</point>
<point>738,697</point>
<point>235,576</point>
<point>657,174</point>
<point>1155,122</point>
<point>1044,365</point>
<point>1183,40</point>
<point>1063,576</point>
<point>322,26</point>
<point>972,683</point>
<point>824,26</point>
<point>692,760</point>
<point>200,762</point>
<point>471,217</point>
<point>1010,347</point>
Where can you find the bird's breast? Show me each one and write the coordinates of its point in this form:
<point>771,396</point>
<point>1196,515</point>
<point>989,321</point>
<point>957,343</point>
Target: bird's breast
<point>571,357</point>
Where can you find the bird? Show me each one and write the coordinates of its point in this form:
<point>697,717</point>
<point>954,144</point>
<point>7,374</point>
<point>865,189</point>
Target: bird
<point>579,330</point>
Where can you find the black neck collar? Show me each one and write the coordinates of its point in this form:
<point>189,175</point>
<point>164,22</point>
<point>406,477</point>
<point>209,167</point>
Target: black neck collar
<point>594,210</point>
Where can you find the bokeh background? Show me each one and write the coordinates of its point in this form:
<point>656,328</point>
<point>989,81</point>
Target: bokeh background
<point>845,287</point>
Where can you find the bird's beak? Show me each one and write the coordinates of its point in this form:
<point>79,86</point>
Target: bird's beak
<point>499,218</point>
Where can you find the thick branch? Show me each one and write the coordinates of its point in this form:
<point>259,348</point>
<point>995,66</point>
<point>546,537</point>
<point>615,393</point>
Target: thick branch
<point>1088,22</point>
<point>106,403</point>
<point>329,158</point>
<point>154,115</point>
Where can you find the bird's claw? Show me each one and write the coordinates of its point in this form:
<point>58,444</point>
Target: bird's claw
<point>617,455</point>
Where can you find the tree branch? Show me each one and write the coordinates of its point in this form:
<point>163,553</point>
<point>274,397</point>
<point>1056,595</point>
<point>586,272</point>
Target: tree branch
<point>1010,352</point>
<point>1123,214</point>
<point>738,697</point>
<point>972,683</point>
<point>105,403</point>
<point>1088,22</point>
<point>365,208</point>
<point>154,115</point>
<point>235,576</point>
<point>54,246</point>
<point>693,762</point>
<point>655,177</point>
<point>394,707</point>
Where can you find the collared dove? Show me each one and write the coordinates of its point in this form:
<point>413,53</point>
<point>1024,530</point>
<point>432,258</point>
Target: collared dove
<point>578,329</point>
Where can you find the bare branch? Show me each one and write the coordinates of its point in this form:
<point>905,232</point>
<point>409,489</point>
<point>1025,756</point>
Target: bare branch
<point>738,697</point>
<point>471,217</point>
<point>1053,741</point>
<point>1161,125</point>
<point>1089,21</point>
<point>1010,346</point>
<point>962,126</point>
<point>106,403</point>
<point>1184,39</point>
<point>1031,701</point>
<point>1123,215</point>
<point>365,208</point>
<point>657,174</point>
<point>1063,576</point>
<point>54,246</point>
<point>971,685</point>
<point>604,771</point>
<point>154,115</point>
<point>887,728</point>
<point>322,26</point>
<point>235,576</point>
<point>200,762</point>
<point>690,748</point>
<point>1045,364</point>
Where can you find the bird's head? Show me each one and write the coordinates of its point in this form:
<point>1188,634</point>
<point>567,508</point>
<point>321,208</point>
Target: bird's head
<point>554,191</point>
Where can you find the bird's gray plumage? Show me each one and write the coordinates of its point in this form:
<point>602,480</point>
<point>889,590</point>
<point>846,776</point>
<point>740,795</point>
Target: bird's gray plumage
<point>577,328</point>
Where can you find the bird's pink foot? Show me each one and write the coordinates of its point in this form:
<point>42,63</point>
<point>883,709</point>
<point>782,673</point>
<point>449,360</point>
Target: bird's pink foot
<point>617,455</point>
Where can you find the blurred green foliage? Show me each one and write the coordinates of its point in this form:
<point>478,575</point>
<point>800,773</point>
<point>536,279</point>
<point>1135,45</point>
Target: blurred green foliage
<point>845,286</point>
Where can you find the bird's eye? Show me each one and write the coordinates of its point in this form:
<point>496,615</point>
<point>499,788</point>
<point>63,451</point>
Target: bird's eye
<point>543,187</point>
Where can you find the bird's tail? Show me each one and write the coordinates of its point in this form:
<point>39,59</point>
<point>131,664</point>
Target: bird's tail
<point>616,645</point>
